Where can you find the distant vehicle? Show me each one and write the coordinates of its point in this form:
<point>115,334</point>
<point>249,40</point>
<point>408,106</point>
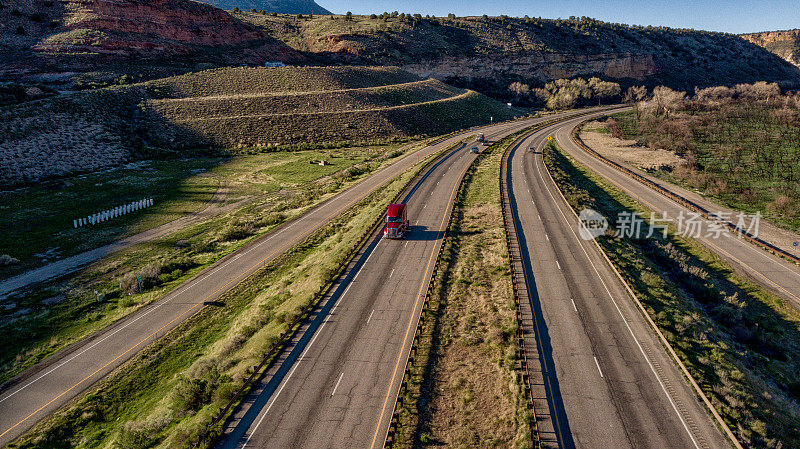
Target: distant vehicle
<point>474,150</point>
<point>486,143</point>
<point>396,222</point>
<point>480,138</point>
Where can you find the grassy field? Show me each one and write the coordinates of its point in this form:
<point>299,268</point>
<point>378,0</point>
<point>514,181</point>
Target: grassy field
<point>167,395</point>
<point>38,219</point>
<point>738,341</point>
<point>464,390</point>
<point>742,153</point>
<point>273,188</point>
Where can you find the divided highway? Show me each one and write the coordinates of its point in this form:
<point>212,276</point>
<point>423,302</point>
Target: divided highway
<point>609,381</point>
<point>50,385</point>
<point>336,384</point>
<point>775,273</point>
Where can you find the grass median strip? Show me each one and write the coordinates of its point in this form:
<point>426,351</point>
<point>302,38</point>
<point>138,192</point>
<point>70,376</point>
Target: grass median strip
<point>463,390</point>
<point>166,395</point>
<point>736,339</point>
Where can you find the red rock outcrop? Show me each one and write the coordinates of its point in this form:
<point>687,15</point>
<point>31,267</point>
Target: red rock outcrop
<point>139,27</point>
<point>785,44</point>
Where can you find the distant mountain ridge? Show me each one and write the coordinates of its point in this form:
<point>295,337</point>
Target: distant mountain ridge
<point>785,43</point>
<point>279,6</point>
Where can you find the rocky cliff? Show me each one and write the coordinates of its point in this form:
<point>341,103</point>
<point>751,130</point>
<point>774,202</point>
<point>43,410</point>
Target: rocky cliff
<point>785,44</point>
<point>79,34</point>
<point>544,66</point>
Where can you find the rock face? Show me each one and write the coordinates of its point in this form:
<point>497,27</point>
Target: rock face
<point>279,6</point>
<point>131,27</point>
<point>785,44</point>
<point>541,65</point>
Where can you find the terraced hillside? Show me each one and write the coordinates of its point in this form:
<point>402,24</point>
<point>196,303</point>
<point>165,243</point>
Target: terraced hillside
<point>227,109</point>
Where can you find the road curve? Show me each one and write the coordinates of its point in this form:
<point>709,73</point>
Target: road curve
<point>335,385</point>
<point>49,385</point>
<point>614,384</point>
<point>775,273</point>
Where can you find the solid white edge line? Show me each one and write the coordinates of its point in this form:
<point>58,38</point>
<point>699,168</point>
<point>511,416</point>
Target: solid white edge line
<point>337,384</point>
<point>596,363</point>
<point>638,344</point>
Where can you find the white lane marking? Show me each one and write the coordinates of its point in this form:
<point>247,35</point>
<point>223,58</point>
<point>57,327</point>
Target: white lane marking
<point>540,217</point>
<point>573,304</point>
<point>547,236</point>
<point>370,315</point>
<point>595,362</point>
<point>405,244</point>
<point>608,291</point>
<point>558,265</point>
<point>340,379</point>
<point>390,274</point>
<point>426,205</point>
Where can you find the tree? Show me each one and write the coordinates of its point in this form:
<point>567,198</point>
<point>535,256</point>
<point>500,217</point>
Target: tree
<point>236,10</point>
<point>604,90</point>
<point>451,16</point>
<point>521,91</point>
<point>635,95</point>
<point>665,100</point>
<point>348,16</point>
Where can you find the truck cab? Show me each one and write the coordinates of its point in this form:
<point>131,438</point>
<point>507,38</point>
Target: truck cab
<point>396,222</point>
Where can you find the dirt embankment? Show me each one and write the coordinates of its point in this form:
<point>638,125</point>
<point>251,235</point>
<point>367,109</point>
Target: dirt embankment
<point>597,137</point>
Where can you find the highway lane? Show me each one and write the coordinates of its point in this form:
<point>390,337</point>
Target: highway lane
<point>48,386</point>
<point>777,274</point>
<point>617,386</point>
<point>335,386</point>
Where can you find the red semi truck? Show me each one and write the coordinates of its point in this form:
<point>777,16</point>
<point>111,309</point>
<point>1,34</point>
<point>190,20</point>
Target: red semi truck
<point>396,221</point>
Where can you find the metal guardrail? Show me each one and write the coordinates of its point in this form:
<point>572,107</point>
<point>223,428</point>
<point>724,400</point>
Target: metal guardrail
<point>517,272</point>
<point>720,421</point>
<point>684,201</point>
<point>390,437</point>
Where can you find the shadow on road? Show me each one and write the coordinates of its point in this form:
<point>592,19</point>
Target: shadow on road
<point>554,399</point>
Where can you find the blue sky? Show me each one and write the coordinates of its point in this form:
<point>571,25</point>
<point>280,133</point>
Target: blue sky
<point>732,16</point>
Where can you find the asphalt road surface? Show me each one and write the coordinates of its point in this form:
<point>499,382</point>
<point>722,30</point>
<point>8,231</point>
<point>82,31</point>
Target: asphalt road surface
<point>51,384</point>
<point>614,383</point>
<point>775,273</point>
<point>336,385</point>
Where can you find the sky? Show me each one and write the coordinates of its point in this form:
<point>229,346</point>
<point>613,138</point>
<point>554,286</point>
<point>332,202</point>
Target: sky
<point>731,16</point>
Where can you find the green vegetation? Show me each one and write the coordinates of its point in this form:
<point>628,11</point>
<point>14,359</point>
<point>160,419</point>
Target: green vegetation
<point>736,339</point>
<point>567,94</point>
<point>741,145</point>
<point>167,395</point>
<point>264,190</point>
<point>676,57</point>
<point>463,390</point>
<point>233,109</point>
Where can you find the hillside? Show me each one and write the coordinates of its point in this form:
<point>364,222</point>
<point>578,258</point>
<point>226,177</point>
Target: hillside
<point>487,53</point>
<point>785,44</point>
<point>114,35</point>
<point>279,6</point>
<point>228,109</point>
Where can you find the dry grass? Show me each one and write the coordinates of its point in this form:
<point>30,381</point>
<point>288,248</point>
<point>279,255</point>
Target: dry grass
<point>468,394</point>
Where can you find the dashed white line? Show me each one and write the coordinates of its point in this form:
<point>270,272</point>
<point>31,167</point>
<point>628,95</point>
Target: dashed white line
<point>390,274</point>
<point>547,236</point>
<point>540,217</point>
<point>370,315</point>
<point>558,265</point>
<point>573,304</point>
<point>595,362</point>
<point>340,379</point>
